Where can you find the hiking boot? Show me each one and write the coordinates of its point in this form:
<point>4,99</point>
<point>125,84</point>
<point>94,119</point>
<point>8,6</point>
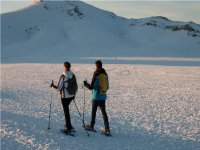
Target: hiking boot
<point>107,130</point>
<point>72,129</point>
<point>67,131</point>
<point>89,128</point>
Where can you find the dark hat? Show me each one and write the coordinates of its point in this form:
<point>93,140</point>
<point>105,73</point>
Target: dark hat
<point>98,63</point>
<point>67,65</point>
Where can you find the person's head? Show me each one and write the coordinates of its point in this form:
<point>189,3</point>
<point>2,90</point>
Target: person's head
<point>66,66</point>
<point>98,64</point>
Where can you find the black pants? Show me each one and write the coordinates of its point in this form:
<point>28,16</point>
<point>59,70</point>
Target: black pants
<point>65,103</point>
<point>101,104</point>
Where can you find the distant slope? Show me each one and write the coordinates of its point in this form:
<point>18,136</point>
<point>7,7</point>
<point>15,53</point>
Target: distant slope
<point>50,30</point>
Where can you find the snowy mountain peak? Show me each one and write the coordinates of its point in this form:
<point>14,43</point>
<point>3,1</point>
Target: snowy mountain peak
<point>191,28</point>
<point>64,7</point>
<point>78,29</point>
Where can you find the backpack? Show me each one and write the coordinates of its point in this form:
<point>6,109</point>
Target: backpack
<point>72,85</point>
<point>103,83</point>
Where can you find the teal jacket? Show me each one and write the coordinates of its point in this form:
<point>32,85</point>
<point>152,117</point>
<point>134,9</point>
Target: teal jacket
<point>94,86</point>
<point>96,95</point>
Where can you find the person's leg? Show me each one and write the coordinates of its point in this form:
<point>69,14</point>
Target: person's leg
<point>103,110</point>
<point>94,110</point>
<point>65,103</point>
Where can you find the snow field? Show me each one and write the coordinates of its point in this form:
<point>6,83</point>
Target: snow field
<point>149,107</point>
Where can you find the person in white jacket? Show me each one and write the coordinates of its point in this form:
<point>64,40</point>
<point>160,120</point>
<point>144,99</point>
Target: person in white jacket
<point>66,98</point>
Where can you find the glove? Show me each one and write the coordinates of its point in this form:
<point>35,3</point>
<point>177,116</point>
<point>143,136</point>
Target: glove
<point>52,85</point>
<point>85,83</point>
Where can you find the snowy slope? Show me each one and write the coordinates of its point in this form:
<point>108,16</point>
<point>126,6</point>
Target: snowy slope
<point>51,30</point>
<point>158,110</point>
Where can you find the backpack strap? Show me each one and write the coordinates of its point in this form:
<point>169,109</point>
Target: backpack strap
<point>66,81</point>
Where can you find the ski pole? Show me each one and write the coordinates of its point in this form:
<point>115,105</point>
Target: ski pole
<point>80,117</point>
<point>50,108</point>
<point>83,103</point>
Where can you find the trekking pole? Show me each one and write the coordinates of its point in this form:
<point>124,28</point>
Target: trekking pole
<point>83,103</point>
<point>50,108</point>
<point>81,118</point>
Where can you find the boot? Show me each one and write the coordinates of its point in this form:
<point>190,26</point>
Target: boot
<point>71,130</point>
<point>89,128</point>
<point>67,131</point>
<point>107,131</point>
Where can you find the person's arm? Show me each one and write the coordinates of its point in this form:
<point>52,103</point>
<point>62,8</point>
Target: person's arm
<point>91,86</point>
<point>59,83</point>
<point>54,86</point>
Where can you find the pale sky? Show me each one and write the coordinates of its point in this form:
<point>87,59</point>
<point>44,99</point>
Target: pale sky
<point>175,10</point>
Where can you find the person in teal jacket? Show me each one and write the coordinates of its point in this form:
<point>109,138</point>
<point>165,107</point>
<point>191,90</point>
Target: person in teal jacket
<point>98,99</point>
<point>96,95</point>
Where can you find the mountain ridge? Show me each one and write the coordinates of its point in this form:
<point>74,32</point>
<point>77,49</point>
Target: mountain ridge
<point>79,29</point>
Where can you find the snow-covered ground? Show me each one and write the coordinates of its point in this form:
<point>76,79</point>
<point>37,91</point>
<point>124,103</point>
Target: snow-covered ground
<point>149,107</point>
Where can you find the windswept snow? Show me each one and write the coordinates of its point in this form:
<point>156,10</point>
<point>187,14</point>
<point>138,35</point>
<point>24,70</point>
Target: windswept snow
<point>149,107</point>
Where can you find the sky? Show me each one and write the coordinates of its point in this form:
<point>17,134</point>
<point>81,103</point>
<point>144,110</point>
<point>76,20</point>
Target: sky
<point>175,10</point>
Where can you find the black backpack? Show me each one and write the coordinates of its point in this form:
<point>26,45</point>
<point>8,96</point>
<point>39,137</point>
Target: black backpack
<point>72,85</point>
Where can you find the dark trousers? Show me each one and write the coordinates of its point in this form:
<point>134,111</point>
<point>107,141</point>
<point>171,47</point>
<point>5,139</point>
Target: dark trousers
<point>65,103</point>
<point>101,104</point>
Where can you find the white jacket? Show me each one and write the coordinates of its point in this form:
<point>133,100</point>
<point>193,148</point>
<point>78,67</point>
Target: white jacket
<point>62,84</point>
